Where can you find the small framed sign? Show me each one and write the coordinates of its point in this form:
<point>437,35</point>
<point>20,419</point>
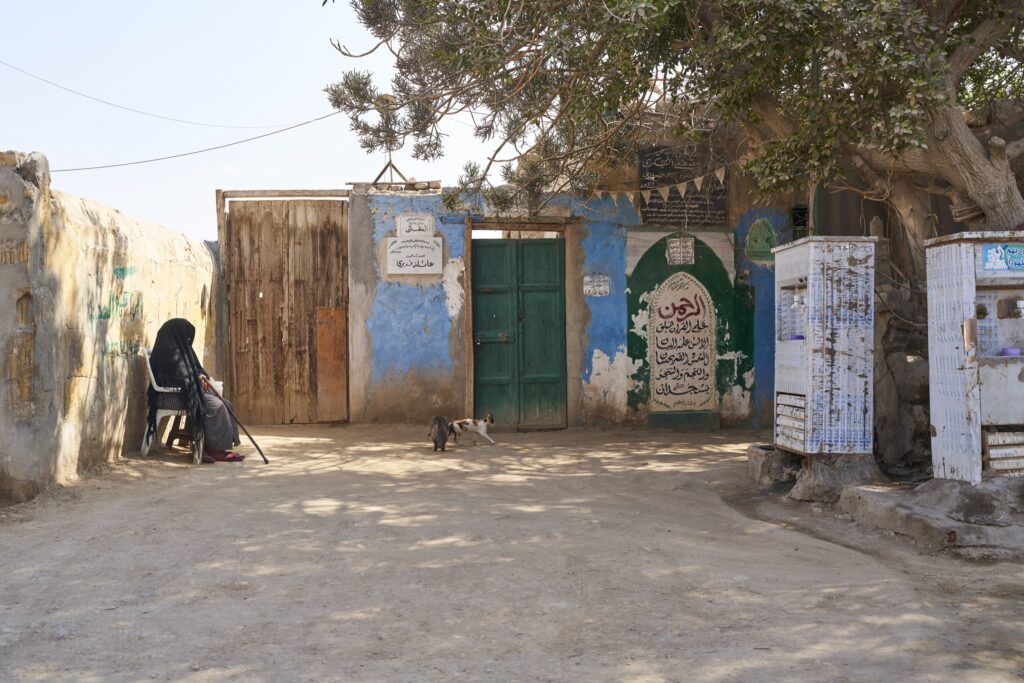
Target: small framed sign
<point>1002,256</point>
<point>415,225</point>
<point>679,251</point>
<point>595,285</point>
<point>415,256</point>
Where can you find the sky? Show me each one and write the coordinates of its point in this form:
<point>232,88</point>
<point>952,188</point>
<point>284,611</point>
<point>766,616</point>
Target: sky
<point>252,63</point>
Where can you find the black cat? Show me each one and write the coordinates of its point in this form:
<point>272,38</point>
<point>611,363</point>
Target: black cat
<point>438,430</point>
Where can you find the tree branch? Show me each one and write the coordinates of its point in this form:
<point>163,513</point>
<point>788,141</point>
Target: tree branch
<point>880,188</point>
<point>336,44</point>
<point>1014,149</point>
<point>984,36</point>
<point>997,153</point>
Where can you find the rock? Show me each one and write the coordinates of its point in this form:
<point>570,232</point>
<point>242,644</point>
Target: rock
<point>826,475</point>
<point>910,372</point>
<point>768,466</point>
<point>61,632</point>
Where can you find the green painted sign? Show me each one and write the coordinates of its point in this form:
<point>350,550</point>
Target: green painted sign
<point>761,241</point>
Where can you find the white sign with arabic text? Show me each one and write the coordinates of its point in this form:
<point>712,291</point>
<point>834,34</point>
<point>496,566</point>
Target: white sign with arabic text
<point>415,256</point>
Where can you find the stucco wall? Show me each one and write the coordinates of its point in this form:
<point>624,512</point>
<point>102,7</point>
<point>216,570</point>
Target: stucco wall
<point>607,368</point>
<point>758,274</point>
<point>407,349</point>
<point>91,291</point>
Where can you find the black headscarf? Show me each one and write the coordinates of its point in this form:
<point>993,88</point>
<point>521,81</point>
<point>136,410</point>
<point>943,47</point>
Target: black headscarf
<point>175,364</point>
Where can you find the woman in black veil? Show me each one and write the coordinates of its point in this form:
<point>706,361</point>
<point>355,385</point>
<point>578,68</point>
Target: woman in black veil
<point>175,364</point>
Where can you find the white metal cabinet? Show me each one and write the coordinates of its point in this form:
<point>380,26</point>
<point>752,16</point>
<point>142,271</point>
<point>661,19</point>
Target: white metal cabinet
<point>824,345</point>
<point>975,320</point>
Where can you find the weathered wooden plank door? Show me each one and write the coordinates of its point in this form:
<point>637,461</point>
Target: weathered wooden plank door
<point>519,332</point>
<point>331,364</point>
<point>287,310</point>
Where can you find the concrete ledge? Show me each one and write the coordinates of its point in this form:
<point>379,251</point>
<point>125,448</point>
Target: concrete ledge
<point>943,514</point>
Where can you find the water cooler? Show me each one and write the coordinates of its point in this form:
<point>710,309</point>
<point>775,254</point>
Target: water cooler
<point>824,345</point>
<point>975,341</point>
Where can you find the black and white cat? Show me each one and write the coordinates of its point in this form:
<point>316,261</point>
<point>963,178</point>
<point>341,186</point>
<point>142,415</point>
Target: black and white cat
<point>473,426</point>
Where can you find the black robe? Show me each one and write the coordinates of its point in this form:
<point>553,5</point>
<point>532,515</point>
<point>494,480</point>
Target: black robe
<point>175,364</point>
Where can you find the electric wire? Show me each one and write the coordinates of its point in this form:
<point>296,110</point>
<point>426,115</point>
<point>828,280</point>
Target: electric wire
<point>197,151</point>
<point>126,108</point>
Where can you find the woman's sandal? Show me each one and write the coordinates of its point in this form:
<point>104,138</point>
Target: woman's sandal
<point>232,457</point>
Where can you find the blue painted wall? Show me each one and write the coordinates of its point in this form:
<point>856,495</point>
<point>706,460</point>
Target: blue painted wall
<point>761,280</point>
<point>604,253</point>
<point>409,324</point>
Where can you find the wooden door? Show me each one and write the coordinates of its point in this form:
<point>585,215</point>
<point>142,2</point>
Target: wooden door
<point>495,342</point>
<point>286,271</point>
<point>519,332</point>
<point>542,373</point>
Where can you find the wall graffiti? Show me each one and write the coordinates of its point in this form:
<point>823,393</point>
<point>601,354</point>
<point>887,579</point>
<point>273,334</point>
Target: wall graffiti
<point>123,306</point>
<point>122,272</point>
<point>123,349</point>
<point>682,346</point>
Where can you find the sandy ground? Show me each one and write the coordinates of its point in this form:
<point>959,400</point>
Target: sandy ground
<point>359,555</point>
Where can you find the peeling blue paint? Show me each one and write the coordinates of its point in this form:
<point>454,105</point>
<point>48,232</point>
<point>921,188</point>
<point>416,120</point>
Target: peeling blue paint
<point>762,282</point>
<point>409,329</point>
<point>385,207</point>
<point>408,323</point>
<point>604,253</point>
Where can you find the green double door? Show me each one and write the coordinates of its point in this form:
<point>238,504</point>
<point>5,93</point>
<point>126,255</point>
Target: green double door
<point>519,332</point>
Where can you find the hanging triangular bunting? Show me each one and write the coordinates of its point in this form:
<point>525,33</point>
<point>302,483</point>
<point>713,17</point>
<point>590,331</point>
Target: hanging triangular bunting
<point>631,196</point>
<point>681,188</point>
<point>600,194</point>
<point>646,194</point>
<point>720,174</point>
<point>697,182</point>
<point>663,191</point>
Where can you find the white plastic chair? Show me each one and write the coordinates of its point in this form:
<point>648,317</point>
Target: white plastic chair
<point>162,414</point>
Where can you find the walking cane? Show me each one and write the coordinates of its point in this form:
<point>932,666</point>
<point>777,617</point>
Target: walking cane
<point>238,422</point>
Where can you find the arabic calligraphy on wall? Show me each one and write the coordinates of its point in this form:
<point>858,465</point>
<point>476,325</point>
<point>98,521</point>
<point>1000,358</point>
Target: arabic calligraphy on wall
<point>682,349</point>
<point>415,256</point>
<point>415,225</point>
<point>662,168</point>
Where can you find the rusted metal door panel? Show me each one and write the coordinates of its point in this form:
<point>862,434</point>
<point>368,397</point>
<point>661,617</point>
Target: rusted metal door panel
<point>287,260</point>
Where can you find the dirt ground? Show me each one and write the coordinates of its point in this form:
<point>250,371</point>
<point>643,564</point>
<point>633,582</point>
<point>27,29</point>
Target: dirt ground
<point>359,555</point>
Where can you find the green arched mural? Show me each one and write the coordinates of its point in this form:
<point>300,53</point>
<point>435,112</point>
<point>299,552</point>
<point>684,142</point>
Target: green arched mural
<point>760,241</point>
<point>733,328</point>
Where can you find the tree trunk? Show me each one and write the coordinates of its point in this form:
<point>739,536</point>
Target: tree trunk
<point>986,178</point>
<point>901,402</point>
<point>916,223</point>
